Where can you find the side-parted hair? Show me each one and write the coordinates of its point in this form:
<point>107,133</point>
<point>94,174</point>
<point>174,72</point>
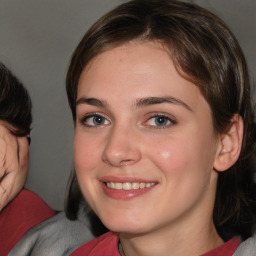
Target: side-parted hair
<point>15,103</point>
<point>205,52</point>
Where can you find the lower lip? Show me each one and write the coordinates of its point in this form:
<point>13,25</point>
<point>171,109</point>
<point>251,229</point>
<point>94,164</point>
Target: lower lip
<point>121,194</point>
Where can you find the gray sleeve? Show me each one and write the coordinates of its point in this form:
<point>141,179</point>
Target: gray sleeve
<point>247,248</point>
<point>56,236</point>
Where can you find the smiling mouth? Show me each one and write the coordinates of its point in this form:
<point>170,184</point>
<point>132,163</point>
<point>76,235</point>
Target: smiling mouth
<point>129,185</point>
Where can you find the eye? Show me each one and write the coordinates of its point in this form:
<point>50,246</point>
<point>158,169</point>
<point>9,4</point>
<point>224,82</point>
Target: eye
<point>159,121</point>
<point>95,120</point>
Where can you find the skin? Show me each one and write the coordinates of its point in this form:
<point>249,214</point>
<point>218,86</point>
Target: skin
<point>129,144</point>
<point>14,154</point>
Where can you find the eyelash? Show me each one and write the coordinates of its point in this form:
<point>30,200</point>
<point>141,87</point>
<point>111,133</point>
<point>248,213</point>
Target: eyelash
<point>163,116</point>
<point>84,120</point>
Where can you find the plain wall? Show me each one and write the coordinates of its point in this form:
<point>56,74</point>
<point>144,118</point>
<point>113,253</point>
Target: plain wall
<point>37,38</point>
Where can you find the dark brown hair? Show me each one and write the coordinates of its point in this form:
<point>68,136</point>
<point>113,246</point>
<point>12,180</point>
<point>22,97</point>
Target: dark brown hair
<point>205,52</point>
<point>15,103</point>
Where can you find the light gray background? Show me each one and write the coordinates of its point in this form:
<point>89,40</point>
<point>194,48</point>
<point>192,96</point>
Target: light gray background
<point>37,38</point>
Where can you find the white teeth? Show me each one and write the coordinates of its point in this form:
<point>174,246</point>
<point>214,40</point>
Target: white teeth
<point>135,185</point>
<point>129,185</point>
<point>142,185</point>
<point>118,185</point>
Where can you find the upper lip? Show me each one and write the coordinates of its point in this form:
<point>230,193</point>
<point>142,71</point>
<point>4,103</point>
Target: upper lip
<point>122,179</point>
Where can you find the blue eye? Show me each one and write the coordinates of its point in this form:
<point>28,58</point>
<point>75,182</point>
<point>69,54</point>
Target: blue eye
<point>95,120</point>
<point>160,121</point>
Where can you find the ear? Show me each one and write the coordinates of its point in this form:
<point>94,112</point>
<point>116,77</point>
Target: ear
<point>230,144</point>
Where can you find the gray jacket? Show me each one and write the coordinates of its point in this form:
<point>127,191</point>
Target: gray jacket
<point>57,236</point>
<point>247,248</point>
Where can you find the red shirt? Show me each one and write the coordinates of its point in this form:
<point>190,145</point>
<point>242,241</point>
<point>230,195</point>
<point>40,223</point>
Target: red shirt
<point>107,245</point>
<point>24,212</point>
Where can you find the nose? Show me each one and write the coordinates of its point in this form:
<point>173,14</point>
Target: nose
<point>122,147</point>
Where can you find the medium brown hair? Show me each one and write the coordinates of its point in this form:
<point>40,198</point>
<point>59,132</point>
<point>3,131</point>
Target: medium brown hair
<point>205,52</point>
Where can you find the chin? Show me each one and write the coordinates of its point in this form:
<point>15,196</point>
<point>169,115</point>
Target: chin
<point>125,225</point>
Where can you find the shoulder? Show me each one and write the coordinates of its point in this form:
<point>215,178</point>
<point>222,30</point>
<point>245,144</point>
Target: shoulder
<point>104,245</point>
<point>55,236</point>
<point>30,203</point>
<point>23,213</point>
<point>247,247</point>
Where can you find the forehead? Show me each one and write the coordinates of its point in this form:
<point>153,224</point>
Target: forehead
<point>135,70</point>
<point>132,53</point>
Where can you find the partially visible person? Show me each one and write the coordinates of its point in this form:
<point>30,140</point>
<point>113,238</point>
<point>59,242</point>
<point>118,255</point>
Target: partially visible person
<point>26,226</point>
<point>15,120</point>
<point>26,210</point>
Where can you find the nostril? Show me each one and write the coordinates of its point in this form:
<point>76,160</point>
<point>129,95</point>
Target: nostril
<point>126,162</point>
<point>118,163</point>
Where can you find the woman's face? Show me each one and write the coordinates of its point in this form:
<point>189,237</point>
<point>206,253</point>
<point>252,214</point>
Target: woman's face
<point>144,147</point>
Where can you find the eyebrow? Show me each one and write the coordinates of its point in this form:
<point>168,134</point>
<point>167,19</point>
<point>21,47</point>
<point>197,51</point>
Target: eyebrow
<point>92,102</point>
<point>147,101</point>
<point>159,100</point>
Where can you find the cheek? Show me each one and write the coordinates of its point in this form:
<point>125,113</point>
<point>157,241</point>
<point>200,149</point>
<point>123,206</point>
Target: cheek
<point>169,156</point>
<point>181,156</point>
<point>186,167</point>
<point>86,160</point>
<point>86,153</point>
